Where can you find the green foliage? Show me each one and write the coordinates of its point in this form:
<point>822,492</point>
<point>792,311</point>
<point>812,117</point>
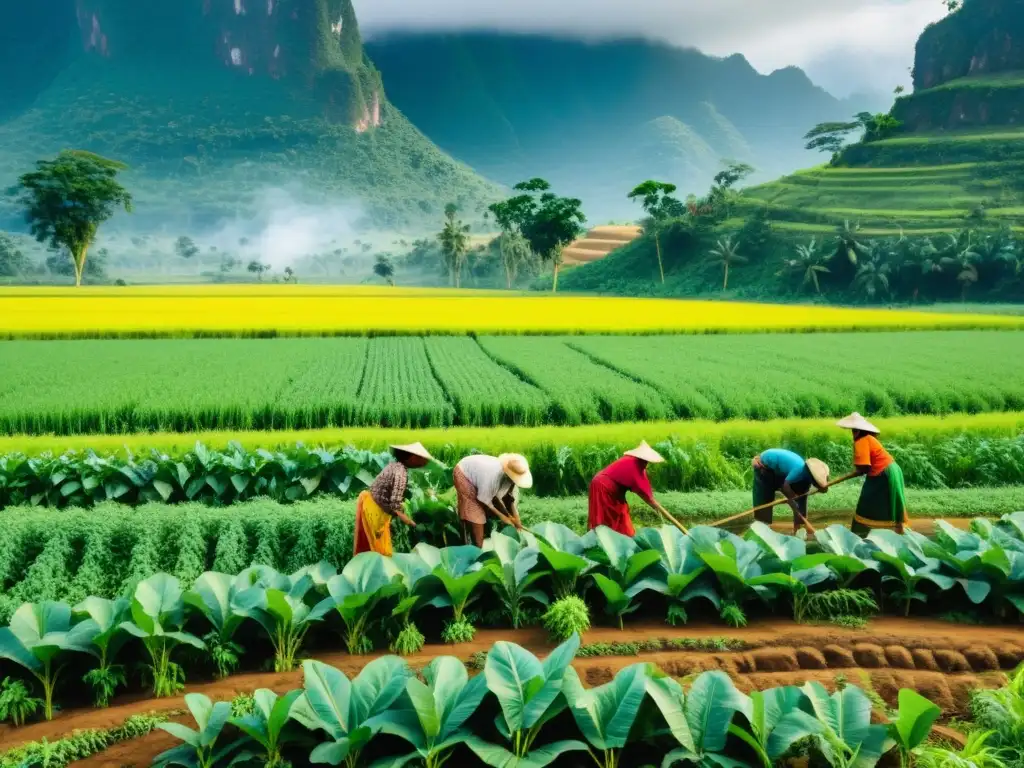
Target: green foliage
<point>458,631</point>
<point>913,723</point>
<point>408,641</point>
<point>1001,711</point>
<point>566,617</point>
<point>16,703</point>
<point>200,746</point>
<point>81,744</point>
<point>835,604</point>
<point>68,198</point>
<point>454,240</point>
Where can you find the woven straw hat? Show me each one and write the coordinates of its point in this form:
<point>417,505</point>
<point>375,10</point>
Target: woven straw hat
<point>856,421</point>
<point>413,449</point>
<point>819,472</point>
<point>646,453</point>
<point>517,469</point>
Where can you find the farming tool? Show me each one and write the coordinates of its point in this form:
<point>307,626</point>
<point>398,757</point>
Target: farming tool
<point>783,500</point>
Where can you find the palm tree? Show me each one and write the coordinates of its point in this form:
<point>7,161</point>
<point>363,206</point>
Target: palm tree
<point>385,270</point>
<point>515,252</point>
<point>962,260</point>
<point>847,244</point>
<point>915,262</point>
<point>454,239</point>
<point>873,274</point>
<point>724,254</point>
<point>807,265</point>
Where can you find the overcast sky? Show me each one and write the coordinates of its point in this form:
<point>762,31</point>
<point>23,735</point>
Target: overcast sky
<point>844,45</point>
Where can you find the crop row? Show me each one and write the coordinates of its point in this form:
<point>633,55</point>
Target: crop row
<point>374,600</point>
<point>266,384</point>
<point>67,555</point>
<point>235,474</point>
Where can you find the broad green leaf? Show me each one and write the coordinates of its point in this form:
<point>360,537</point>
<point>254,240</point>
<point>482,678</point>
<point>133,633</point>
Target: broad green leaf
<point>605,714</point>
<point>914,718</point>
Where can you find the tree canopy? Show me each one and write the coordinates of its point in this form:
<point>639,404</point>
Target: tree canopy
<point>68,198</point>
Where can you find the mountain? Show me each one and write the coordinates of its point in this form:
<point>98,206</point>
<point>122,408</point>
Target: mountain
<point>212,103</point>
<point>516,106</point>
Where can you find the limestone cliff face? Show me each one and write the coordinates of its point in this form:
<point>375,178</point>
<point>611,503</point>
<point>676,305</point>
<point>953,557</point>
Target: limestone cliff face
<point>983,37</point>
<point>312,44</point>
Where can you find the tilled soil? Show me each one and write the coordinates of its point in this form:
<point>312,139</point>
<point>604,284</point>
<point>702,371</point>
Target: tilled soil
<point>942,661</point>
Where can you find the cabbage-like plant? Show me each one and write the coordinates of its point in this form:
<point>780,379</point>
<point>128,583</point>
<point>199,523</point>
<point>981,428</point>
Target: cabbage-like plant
<point>432,712</point>
<point>680,568</point>
<point>530,694</point>
<point>850,554</point>
<point>278,603</point>
<point>776,723</point>
<point>606,714</point>
<point>267,724</point>
<point>37,638</point>
<point>699,720</point>
<point>913,723</point>
<point>847,738</point>
<point>460,575</point>
<point>563,551</point>
<point>349,712</point>
<point>906,567</point>
<point>367,581</point>
<point>627,569</point>
<point>108,616</point>
<point>515,571</point>
<point>200,748</point>
<point>217,597</point>
<point>157,616</point>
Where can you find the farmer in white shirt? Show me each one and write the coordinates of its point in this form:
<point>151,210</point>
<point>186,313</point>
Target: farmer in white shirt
<point>489,484</point>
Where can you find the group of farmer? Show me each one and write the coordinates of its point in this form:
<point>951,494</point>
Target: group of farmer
<point>488,486</point>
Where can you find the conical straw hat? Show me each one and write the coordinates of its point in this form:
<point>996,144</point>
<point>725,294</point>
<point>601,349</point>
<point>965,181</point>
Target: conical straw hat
<point>414,449</point>
<point>646,453</point>
<point>856,421</point>
<point>819,472</point>
<point>517,469</point>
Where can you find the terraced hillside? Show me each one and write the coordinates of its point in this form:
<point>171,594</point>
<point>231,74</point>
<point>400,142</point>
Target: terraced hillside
<point>925,182</point>
<point>598,243</point>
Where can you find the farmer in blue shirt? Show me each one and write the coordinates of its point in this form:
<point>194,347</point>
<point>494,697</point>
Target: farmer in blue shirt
<point>778,470</point>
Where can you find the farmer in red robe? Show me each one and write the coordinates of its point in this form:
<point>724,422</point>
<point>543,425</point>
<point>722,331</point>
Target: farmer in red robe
<point>608,490</point>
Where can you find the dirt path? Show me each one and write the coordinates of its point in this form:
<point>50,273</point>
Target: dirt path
<point>943,661</point>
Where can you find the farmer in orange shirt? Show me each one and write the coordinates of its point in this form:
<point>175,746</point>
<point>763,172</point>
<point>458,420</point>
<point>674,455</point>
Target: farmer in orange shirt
<point>883,501</point>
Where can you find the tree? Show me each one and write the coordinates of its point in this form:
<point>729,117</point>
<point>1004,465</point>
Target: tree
<point>872,276</point>
<point>551,222</point>
<point>384,269</point>
<point>13,263</point>
<point>961,259</point>
<point>185,247</point>
<point>725,254</point>
<point>68,198</point>
<point>656,198</point>
<point>898,90</point>
<point>510,216</point>
<point>877,126</point>
<point>830,137</point>
<point>733,174</point>
<point>847,244</point>
<point>454,239</point>
<point>290,276</point>
<point>953,5</point>
<point>808,265</point>
<point>258,268</point>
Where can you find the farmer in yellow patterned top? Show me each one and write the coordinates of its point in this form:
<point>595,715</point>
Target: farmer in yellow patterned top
<point>385,499</point>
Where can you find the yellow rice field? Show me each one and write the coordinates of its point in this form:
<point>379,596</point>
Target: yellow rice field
<point>295,310</point>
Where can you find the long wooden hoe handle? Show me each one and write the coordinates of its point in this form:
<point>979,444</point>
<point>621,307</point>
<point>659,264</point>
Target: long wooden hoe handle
<point>665,513</point>
<point>783,500</point>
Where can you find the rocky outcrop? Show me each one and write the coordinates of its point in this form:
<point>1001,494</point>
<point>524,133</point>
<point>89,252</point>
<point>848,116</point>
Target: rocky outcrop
<point>983,37</point>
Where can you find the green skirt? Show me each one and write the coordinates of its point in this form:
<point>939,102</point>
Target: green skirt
<point>882,503</point>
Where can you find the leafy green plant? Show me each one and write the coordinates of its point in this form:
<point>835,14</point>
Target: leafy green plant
<point>408,641</point>
<point>243,704</point>
<point>1002,710</point>
<point>976,753</point>
<point>458,631</point>
<point>514,569</point>
<point>16,703</point>
<point>349,712</point>
<point>680,567</point>
<point>79,745</point>
<point>216,596</point>
<point>457,571</point>
<point>566,617</point>
<point>626,566</point>
<point>562,550</point>
<point>108,616</point>
<point>776,723</point>
<point>36,639</point>
<point>436,521</point>
<point>431,714</point>
<point>826,606</point>
<point>847,738</point>
<point>606,714</point>
<point>913,723</point>
<point>267,723</point>
<point>200,744</point>
<point>894,552</point>
<point>367,581</point>
<point>157,616</point>
<point>278,603</point>
<point>529,693</point>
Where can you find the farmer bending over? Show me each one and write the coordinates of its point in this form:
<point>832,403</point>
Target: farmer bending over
<point>778,470</point>
<point>489,484</point>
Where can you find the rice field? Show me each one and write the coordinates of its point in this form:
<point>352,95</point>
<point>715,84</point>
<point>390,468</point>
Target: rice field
<point>188,385</point>
<point>300,310</point>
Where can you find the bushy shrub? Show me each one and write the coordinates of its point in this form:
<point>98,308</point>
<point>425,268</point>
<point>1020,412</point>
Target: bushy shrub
<point>460,631</point>
<point>566,617</point>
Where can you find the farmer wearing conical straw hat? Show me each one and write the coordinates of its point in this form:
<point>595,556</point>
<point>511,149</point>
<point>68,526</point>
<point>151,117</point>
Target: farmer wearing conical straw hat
<point>778,470</point>
<point>385,499</point>
<point>607,503</point>
<point>490,484</point>
<point>883,501</point>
